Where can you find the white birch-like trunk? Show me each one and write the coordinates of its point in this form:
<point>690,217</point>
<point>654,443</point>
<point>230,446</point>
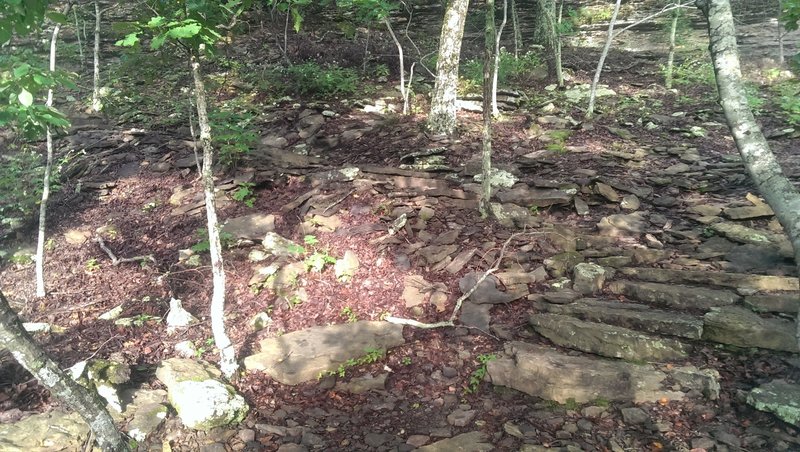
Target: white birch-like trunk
<point>403,89</point>
<point>442,118</point>
<point>596,80</point>
<point>96,103</point>
<point>32,357</point>
<point>495,110</point>
<point>673,30</point>
<point>48,169</point>
<point>78,36</point>
<point>559,68</point>
<point>517,31</point>
<point>489,61</point>
<point>759,161</point>
<point>781,54</point>
<point>227,354</point>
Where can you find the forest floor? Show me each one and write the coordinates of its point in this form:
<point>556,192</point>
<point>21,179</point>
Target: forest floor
<point>130,190</point>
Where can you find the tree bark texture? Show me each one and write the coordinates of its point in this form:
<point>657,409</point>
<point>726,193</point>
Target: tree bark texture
<point>33,358</point>
<point>96,104</point>
<point>442,118</point>
<point>48,169</point>
<point>546,34</point>
<point>673,30</point>
<point>517,31</point>
<point>760,162</point>
<point>596,80</point>
<point>496,66</point>
<point>227,361</point>
<point>489,62</point>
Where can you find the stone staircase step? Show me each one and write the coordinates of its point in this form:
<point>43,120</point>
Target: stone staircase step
<point>786,303</point>
<point>674,295</point>
<point>631,315</point>
<point>742,327</point>
<point>607,340</point>
<point>546,373</point>
<point>724,279</point>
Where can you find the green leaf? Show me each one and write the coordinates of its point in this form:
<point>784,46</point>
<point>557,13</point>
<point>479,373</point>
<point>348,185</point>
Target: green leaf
<point>25,97</point>
<point>298,20</point>
<point>57,17</point>
<point>185,31</point>
<point>5,33</point>
<point>158,41</point>
<point>42,80</point>
<point>129,40</point>
<point>155,22</point>
<point>22,70</point>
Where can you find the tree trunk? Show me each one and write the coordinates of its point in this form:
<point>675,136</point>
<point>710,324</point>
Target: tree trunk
<point>671,57</point>
<point>48,168</point>
<point>559,68</point>
<point>517,31</point>
<point>781,34</point>
<point>33,358</point>
<point>96,105</point>
<point>596,80</point>
<point>496,67</point>
<point>442,118</point>
<point>760,162</point>
<point>546,34</point>
<point>403,88</point>
<point>489,62</point>
<point>227,355</point>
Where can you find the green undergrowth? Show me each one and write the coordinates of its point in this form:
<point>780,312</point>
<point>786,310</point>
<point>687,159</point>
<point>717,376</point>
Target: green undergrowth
<point>510,71</point>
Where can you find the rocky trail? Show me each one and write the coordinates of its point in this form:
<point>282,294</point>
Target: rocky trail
<point>640,296</point>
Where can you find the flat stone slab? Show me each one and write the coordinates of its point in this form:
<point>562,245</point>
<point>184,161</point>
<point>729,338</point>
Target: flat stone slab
<point>303,355</point>
<point>742,327</point>
<point>735,280</point>
<point>530,197</point>
<point>634,316</point>
<point>465,442</point>
<point>544,372</point>
<point>787,303</point>
<point>743,234</point>
<point>674,295</point>
<point>778,397</point>
<point>51,431</point>
<point>251,227</point>
<point>607,340</point>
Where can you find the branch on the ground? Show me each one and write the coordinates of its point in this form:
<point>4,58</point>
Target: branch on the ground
<point>666,9</point>
<point>338,201</point>
<point>116,260</point>
<point>451,321</point>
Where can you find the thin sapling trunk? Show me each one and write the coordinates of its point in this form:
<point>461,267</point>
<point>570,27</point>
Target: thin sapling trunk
<point>495,110</point>
<point>596,80</point>
<point>488,71</point>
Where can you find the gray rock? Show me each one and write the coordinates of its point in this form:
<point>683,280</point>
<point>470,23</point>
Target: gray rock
<point>788,303</point>
<point>742,327</point>
<point>580,93</point>
<point>563,296</point>
<point>623,224</point>
<point>220,405</point>
<point>588,278</point>
<point>747,213</point>
<point>475,315</point>
<point>251,227</point>
<point>292,447</point>
<point>280,246</point>
<point>437,253</point>
<point>511,215</point>
<point>743,234</point>
<point>777,397</point>
<point>461,418</point>
<point>303,355</point>
<point>607,340</point>
<point>607,192</point>
<point>465,442</point>
<point>634,316</point>
<point>735,280</point>
<point>146,420</point>
<point>546,373</point>
<point>674,295</point>
<point>51,431</point>
<point>562,264</point>
<point>346,267</point>
<point>362,384</point>
<point>376,440</point>
<point>634,416</point>
<point>630,202</point>
<point>486,292</point>
<point>533,197</point>
<point>581,207</point>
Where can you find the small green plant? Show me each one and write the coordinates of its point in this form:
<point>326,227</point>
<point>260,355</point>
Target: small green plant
<point>294,301</point>
<point>534,210</point>
<point>92,265</point>
<point>406,361</point>
<point>571,404</point>
<point>312,80</point>
<point>244,193</point>
<point>478,374</point>
<point>319,258</point>
<point>693,70</point>
<point>233,132</point>
<point>789,100</point>
<point>149,206</point>
<point>372,355</point>
<point>203,246</point>
<point>141,319</point>
<point>348,314</point>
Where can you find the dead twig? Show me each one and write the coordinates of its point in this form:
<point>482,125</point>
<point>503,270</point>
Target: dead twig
<point>116,261</point>
<point>338,201</point>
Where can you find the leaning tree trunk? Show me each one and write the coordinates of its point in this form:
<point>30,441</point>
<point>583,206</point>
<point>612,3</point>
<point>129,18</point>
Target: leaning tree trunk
<point>673,31</point>
<point>33,358</point>
<point>546,34</point>
<point>442,118</point>
<point>760,162</point>
<point>596,80</point>
<point>96,105</point>
<point>48,168</point>
<point>227,354</point>
<point>489,62</point>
